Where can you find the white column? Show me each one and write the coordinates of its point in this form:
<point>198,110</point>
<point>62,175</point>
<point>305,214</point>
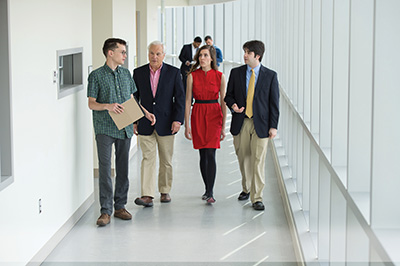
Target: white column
<point>315,66</point>
<point>386,126</point>
<point>360,102</point>
<point>326,77</point>
<point>340,87</point>
<point>147,11</point>
<point>101,29</point>
<point>124,27</point>
<point>300,65</point>
<point>307,63</point>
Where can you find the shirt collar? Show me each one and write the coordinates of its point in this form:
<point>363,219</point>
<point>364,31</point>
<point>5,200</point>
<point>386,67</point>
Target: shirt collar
<point>158,70</point>
<point>256,69</point>
<point>109,70</point>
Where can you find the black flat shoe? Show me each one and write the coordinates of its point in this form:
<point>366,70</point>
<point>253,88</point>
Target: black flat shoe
<point>244,196</point>
<point>258,206</point>
<point>204,197</point>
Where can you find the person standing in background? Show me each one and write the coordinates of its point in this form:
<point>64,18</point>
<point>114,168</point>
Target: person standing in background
<point>207,127</point>
<point>160,90</point>
<point>186,57</point>
<point>218,51</point>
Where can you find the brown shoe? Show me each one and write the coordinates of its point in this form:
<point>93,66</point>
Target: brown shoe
<point>145,201</point>
<point>122,214</point>
<point>103,220</point>
<point>165,197</point>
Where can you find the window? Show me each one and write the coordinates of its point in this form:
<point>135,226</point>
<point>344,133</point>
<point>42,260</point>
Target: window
<point>5,102</point>
<point>69,71</point>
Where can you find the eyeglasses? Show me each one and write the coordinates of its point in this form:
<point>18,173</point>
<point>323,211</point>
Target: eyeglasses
<point>122,52</point>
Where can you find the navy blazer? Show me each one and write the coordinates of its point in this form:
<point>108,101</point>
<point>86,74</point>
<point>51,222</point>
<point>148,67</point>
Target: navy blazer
<point>169,103</point>
<point>186,55</point>
<point>265,102</point>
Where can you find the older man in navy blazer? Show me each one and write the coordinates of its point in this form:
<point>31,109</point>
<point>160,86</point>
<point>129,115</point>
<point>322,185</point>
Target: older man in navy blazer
<point>253,97</point>
<point>160,91</point>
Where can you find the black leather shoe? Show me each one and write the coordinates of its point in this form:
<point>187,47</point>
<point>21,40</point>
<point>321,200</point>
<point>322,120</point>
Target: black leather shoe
<point>244,196</point>
<point>258,206</point>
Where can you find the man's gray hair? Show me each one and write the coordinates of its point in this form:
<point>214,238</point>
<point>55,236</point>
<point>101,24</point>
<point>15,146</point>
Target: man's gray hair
<point>157,43</point>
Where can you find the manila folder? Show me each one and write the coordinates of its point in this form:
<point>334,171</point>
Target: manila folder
<point>132,112</point>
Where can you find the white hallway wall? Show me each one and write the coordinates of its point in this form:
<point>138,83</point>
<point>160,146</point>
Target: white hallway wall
<point>52,139</point>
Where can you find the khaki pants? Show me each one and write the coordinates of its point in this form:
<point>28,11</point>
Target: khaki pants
<point>251,152</point>
<point>149,144</point>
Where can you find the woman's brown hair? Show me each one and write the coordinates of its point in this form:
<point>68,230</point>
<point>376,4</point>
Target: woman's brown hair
<point>213,55</point>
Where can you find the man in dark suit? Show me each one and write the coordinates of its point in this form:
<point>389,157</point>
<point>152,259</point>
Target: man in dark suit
<point>253,97</point>
<point>186,57</point>
<point>159,89</point>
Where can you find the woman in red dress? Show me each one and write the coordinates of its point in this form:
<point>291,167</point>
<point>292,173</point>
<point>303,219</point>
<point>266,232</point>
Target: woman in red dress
<point>207,128</point>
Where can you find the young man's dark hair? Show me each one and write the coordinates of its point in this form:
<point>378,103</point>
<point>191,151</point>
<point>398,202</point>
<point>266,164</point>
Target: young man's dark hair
<point>255,46</point>
<point>208,37</point>
<point>111,44</point>
<point>197,39</point>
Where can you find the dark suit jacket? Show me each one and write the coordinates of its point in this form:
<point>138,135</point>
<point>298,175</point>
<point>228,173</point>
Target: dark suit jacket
<point>169,103</point>
<point>185,55</point>
<point>265,102</point>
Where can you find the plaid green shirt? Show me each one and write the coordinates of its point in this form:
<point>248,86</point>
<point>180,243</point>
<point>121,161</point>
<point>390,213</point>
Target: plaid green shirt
<point>109,86</point>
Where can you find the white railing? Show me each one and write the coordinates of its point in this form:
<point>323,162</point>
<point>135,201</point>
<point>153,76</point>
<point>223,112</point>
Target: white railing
<point>329,225</point>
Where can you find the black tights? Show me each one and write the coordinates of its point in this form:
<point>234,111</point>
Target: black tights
<point>208,169</point>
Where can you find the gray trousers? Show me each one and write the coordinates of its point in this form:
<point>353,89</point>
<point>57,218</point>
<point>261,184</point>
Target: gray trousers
<point>104,148</point>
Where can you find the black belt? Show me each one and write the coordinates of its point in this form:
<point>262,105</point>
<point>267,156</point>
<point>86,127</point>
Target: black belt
<point>206,101</point>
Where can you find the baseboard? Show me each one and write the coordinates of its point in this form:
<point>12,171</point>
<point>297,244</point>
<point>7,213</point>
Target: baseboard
<point>286,203</point>
<point>61,233</point>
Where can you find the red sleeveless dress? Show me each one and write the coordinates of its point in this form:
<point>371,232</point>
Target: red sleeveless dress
<point>206,119</point>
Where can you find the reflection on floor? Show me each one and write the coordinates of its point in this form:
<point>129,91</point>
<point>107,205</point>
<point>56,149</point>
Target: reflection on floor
<point>186,231</point>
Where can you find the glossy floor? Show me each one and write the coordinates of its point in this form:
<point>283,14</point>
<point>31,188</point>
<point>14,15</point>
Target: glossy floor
<point>186,231</point>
